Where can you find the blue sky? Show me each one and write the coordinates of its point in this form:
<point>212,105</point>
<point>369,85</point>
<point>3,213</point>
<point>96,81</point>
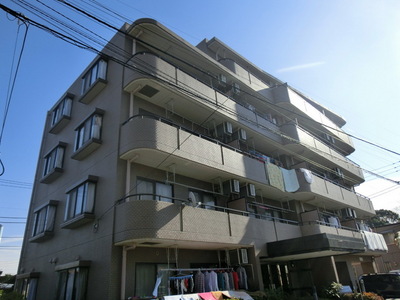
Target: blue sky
<point>343,54</point>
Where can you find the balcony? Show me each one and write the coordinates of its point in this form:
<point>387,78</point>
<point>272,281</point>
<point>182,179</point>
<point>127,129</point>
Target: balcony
<point>193,98</point>
<point>318,227</point>
<point>159,223</point>
<point>160,144</point>
<point>317,191</point>
<point>288,99</point>
<point>321,152</point>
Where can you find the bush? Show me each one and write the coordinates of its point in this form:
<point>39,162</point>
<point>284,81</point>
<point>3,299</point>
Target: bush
<point>11,296</point>
<point>333,291</point>
<point>275,294</point>
<point>367,296</point>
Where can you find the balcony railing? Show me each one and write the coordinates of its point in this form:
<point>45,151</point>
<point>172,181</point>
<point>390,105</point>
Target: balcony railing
<point>155,197</point>
<point>316,227</point>
<point>160,222</point>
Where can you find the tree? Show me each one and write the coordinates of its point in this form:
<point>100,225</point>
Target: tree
<point>384,217</point>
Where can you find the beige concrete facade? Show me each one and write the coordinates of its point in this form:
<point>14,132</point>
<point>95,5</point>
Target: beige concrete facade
<point>171,156</point>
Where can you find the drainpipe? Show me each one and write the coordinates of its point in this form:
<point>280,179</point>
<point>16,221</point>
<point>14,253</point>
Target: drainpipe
<point>125,250</point>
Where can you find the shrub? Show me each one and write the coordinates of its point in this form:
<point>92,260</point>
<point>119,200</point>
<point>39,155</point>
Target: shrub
<point>367,296</point>
<point>333,290</point>
<point>11,296</point>
<point>275,294</point>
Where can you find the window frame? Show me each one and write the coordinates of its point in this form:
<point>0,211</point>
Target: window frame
<point>44,221</point>
<point>201,197</point>
<point>26,284</point>
<point>155,196</point>
<point>88,130</point>
<point>61,113</point>
<point>70,277</point>
<point>88,135</point>
<point>80,203</point>
<point>53,163</point>
<point>98,71</point>
<point>62,110</point>
<point>141,283</point>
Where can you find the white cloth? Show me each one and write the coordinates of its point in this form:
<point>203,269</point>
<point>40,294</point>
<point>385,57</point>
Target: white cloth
<point>290,180</point>
<point>190,297</point>
<point>374,241</point>
<point>173,297</point>
<point>158,281</point>
<point>307,175</point>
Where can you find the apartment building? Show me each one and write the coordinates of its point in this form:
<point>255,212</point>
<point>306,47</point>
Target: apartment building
<point>166,159</point>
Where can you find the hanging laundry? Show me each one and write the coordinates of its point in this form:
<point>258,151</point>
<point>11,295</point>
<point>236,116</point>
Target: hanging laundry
<point>242,278</point>
<point>199,282</point>
<point>221,281</point>
<point>308,176</point>
<point>231,282</point>
<point>290,180</point>
<point>235,277</point>
<point>214,281</point>
<point>275,177</point>
<point>158,281</point>
<point>226,280</point>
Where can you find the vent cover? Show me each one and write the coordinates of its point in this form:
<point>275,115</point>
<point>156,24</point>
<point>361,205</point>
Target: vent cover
<point>148,91</point>
<point>149,243</point>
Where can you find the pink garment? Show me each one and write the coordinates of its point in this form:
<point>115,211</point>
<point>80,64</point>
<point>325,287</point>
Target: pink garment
<point>207,296</point>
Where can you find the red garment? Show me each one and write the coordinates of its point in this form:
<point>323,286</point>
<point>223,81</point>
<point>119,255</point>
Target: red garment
<point>235,280</point>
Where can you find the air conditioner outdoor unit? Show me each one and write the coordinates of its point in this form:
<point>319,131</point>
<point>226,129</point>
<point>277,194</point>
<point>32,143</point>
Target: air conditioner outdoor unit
<point>236,88</point>
<point>328,138</point>
<point>222,78</point>
<point>241,134</point>
<point>338,172</point>
<point>228,128</point>
<point>222,82</point>
<point>232,186</point>
<point>249,191</point>
<point>244,256</point>
<point>349,213</point>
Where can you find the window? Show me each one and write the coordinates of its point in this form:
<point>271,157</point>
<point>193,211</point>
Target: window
<point>43,219</point>
<point>153,190</point>
<point>80,200</point>
<point>145,274</point>
<point>206,199</point>
<point>90,129</point>
<point>72,282</point>
<point>98,71</point>
<point>26,284</point>
<point>62,110</point>
<point>53,161</point>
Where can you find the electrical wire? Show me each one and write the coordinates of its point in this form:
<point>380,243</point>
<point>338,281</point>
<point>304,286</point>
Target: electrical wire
<point>310,161</point>
<point>52,31</point>
<point>11,86</point>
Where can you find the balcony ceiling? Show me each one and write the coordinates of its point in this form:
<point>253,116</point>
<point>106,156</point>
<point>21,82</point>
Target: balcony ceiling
<point>181,244</point>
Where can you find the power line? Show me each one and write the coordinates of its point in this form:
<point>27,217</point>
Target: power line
<point>180,88</point>
<point>11,85</point>
<point>114,28</point>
